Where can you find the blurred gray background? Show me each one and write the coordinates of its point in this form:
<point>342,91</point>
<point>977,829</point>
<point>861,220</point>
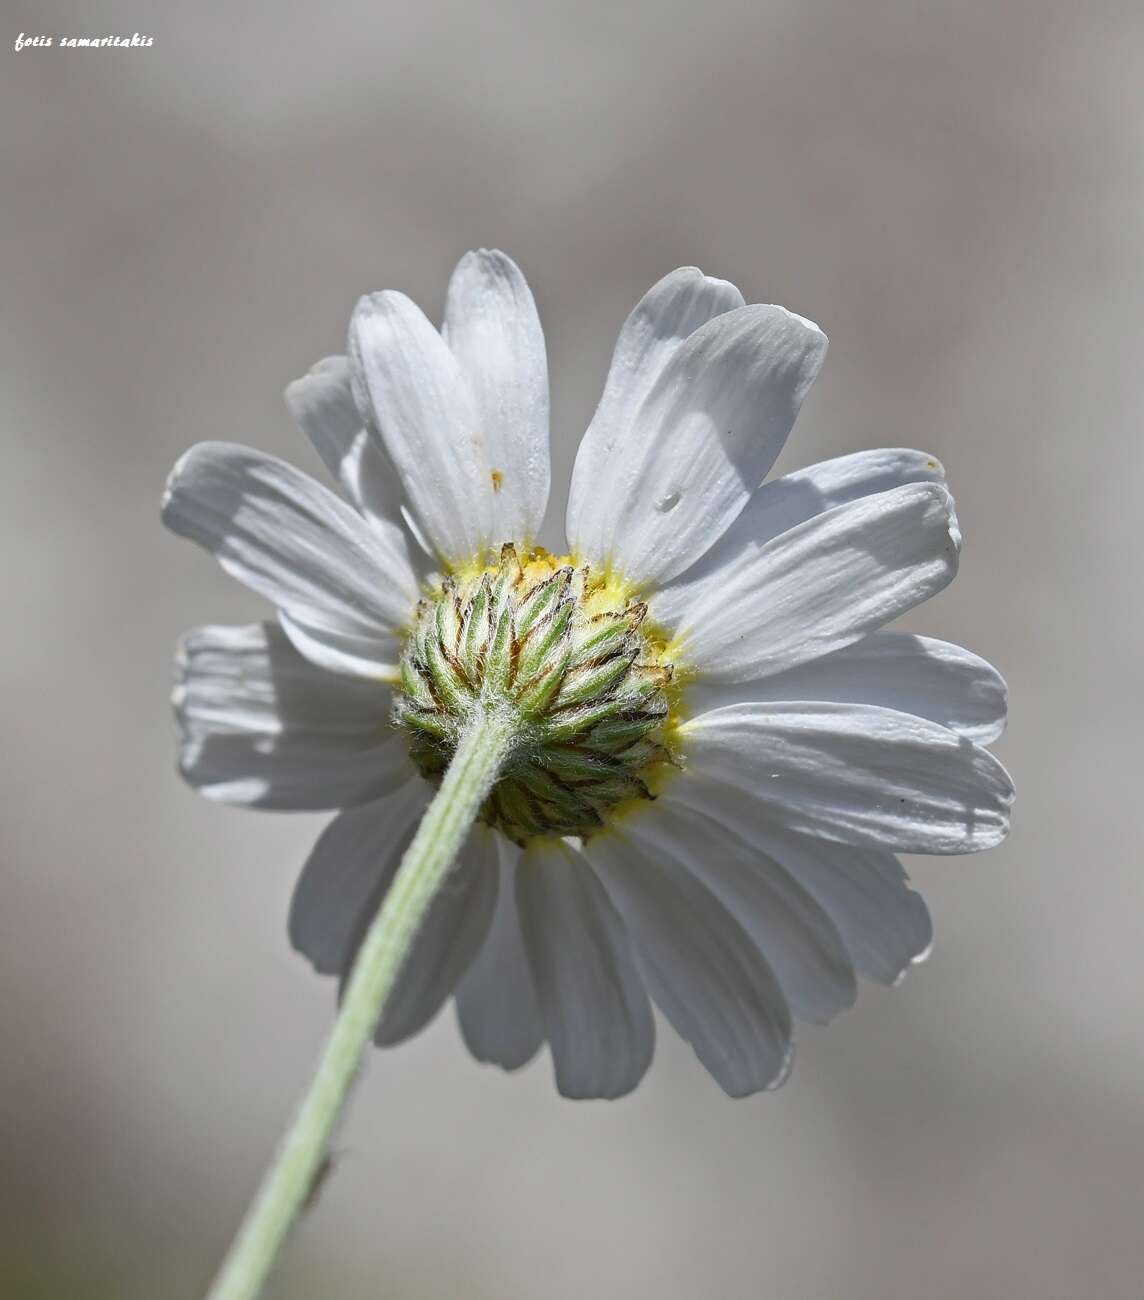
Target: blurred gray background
<point>955,193</point>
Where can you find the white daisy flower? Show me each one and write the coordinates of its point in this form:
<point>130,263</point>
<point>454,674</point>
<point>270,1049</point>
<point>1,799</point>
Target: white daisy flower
<point>722,749</point>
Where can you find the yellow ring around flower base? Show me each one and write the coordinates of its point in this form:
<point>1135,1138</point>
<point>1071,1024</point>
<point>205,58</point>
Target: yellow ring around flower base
<point>570,653</point>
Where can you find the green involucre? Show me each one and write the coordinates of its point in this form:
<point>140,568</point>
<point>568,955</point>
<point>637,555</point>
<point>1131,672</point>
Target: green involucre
<point>570,661</point>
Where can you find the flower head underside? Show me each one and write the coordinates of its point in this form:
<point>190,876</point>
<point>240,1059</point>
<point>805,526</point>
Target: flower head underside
<point>571,657</point>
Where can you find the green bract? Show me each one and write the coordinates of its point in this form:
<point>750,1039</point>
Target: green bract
<point>569,657</point>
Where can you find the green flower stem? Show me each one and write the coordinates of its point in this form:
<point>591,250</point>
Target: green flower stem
<point>486,741</point>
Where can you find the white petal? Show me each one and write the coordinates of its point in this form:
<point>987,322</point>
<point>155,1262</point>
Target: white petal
<point>429,422</point>
<point>819,586</point>
<point>496,1002</point>
<point>260,725</point>
<point>664,318</point>
<point>794,934</point>
<point>703,970</point>
<point>596,1014</point>
<point>493,330</point>
<point>884,924</point>
<point>698,445</point>
<point>347,873</point>
<point>897,670</point>
<point>296,543</point>
<point>344,653</point>
<point>789,501</point>
<point>856,774</point>
<point>323,406</point>
<point>450,935</point>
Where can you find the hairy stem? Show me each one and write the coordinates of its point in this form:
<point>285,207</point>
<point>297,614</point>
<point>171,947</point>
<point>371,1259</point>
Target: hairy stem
<point>484,745</point>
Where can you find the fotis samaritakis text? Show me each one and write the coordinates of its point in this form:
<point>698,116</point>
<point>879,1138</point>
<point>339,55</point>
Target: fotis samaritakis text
<point>136,41</point>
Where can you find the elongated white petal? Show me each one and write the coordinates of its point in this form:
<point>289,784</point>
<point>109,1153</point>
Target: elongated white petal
<point>797,938</point>
<point>348,871</point>
<point>496,1001</point>
<point>323,406</point>
<point>897,670</point>
<point>786,502</point>
<point>285,774</point>
<point>884,924</point>
<point>260,725</point>
<point>704,971</point>
<point>810,491</point>
<point>699,443</point>
<point>596,1014</point>
<point>819,586</point>
<point>661,322</point>
<point>296,543</point>
<point>492,328</point>
<point>342,652</point>
<point>856,774</point>
<point>450,935</point>
<point>429,422</point>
